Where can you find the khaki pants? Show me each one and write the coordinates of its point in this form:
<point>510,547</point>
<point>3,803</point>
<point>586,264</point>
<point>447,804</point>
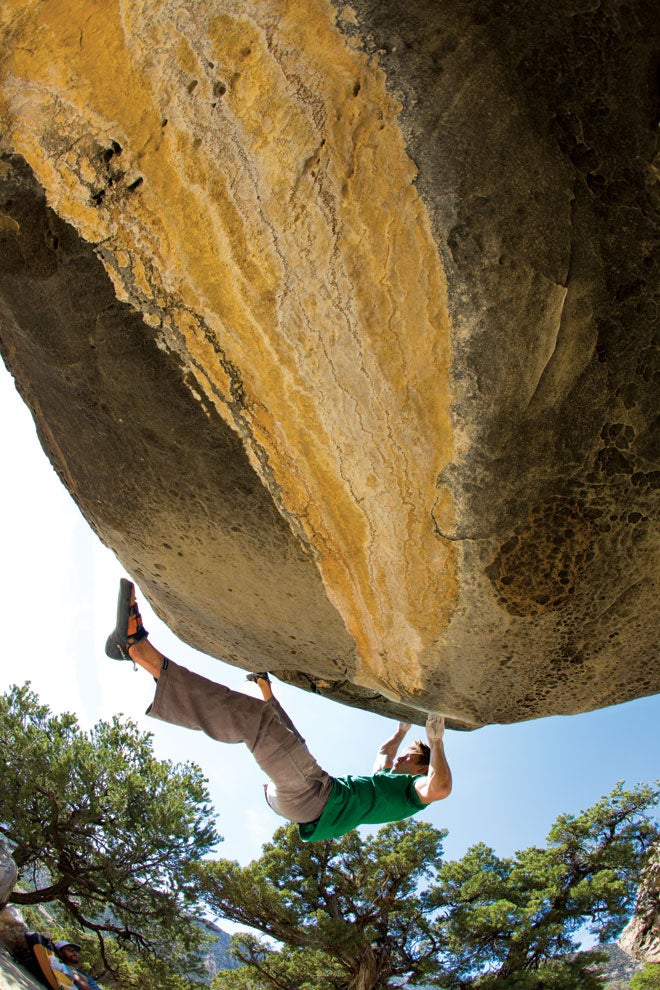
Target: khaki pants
<point>298,788</point>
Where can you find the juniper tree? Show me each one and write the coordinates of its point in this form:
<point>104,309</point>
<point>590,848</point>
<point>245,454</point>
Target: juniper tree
<point>368,913</point>
<point>101,827</point>
<point>514,921</point>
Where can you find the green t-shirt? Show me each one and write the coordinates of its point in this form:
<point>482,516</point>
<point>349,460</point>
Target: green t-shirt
<point>382,797</point>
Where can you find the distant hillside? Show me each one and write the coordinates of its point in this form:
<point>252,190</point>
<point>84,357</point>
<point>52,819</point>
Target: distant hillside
<point>619,968</point>
<point>218,956</point>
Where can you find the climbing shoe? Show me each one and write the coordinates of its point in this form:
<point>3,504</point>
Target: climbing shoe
<point>129,628</point>
<point>262,676</point>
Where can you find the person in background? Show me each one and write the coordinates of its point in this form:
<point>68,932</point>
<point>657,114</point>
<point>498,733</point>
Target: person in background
<point>66,959</point>
<point>20,942</point>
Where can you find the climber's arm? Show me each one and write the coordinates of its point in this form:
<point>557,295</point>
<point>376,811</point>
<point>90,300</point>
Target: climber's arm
<point>389,749</point>
<point>437,783</point>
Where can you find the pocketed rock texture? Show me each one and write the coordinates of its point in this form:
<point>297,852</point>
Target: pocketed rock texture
<point>337,322</point>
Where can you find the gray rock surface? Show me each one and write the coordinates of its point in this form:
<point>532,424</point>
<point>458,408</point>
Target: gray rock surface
<point>8,872</point>
<point>12,977</point>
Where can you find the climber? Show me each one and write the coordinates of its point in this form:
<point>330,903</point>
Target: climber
<point>324,807</point>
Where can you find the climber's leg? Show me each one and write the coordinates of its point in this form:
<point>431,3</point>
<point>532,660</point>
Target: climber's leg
<point>262,680</point>
<point>298,787</point>
<point>145,655</point>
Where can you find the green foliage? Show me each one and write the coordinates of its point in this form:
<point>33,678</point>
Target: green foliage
<point>366,913</point>
<point>346,909</point>
<point>647,979</point>
<point>122,967</point>
<point>116,966</point>
<point>565,973</point>
<point>101,827</point>
<point>507,917</point>
<point>126,969</point>
<point>304,969</point>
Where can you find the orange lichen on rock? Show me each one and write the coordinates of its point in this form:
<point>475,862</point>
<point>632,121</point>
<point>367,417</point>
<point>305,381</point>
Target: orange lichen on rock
<point>241,169</point>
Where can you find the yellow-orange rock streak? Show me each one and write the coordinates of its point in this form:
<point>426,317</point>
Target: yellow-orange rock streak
<point>241,168</point>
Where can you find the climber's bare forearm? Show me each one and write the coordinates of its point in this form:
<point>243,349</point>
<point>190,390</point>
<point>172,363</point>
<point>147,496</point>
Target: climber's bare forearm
<point>390,748</point>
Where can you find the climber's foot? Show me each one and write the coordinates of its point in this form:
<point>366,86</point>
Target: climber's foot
<point>129,628</point>
<point>262,680</point>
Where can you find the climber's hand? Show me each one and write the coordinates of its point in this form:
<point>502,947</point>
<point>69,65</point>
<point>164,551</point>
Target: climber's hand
<point>435,727</point>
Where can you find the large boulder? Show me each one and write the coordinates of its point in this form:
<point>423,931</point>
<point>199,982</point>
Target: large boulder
<point>336,321</point>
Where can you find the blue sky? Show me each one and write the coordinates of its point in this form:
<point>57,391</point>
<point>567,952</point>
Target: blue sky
<point>58,597</point>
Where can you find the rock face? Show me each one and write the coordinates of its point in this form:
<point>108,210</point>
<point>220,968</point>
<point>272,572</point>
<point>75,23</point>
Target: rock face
<point>337,323</point>
<point>12,930</point>
<point>641,936</point>
<point>8,873</point>
<point>12,977</point>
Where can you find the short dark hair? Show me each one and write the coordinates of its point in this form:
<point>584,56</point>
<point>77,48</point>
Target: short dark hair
<point>422,751</point>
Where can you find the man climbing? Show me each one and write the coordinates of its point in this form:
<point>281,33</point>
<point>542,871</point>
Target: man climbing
<point>324,807</point>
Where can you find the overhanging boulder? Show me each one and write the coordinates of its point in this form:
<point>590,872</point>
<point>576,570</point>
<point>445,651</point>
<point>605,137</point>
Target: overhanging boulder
<point>337,323</point>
